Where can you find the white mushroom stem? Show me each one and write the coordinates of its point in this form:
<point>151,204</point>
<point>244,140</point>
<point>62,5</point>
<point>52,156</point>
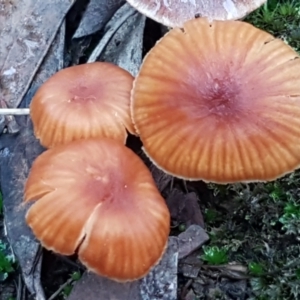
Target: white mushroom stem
<point>14,111</point>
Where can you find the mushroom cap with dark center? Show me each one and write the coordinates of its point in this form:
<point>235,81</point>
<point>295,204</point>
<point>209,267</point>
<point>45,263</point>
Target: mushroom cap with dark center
<point>89,100</point>
<point>97,198</point>
<point>175,12</point>
<point>220,101</point>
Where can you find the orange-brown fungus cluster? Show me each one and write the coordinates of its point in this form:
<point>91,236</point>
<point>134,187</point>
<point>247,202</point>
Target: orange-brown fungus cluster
<point>93,196</point>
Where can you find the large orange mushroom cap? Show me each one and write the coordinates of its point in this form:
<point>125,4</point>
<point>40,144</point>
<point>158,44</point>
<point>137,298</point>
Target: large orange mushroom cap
<point>220,102</point>
<point>175,12</point>
<point>97,197</point>
<point>89,100</point>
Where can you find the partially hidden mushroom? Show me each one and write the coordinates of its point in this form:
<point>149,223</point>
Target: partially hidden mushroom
<point>220,101</point>
<point>89,100</point>
<point>174,13</point>
<point>97,198</point>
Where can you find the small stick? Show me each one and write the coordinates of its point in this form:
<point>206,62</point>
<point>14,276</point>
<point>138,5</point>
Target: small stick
<point>14,111</point>
<point>69,281</point>
<point>185,289</point>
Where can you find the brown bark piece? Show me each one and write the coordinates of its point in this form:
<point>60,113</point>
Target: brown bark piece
<point>184,208</point>
<point>190,240</point>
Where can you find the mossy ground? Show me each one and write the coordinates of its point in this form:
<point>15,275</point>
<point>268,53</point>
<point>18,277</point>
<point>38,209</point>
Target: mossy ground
<point>281,18</point>
<point>257,226</point>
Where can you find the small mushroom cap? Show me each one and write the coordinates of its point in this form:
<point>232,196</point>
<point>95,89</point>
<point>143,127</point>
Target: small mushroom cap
<point>89,100</point>
<point>220,102</point>
<point>97,197</point>
<point>174,13</point>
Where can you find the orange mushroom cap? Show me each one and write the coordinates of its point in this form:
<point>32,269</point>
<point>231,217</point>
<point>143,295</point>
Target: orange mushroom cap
<point>220,102</point>
<point>97,197</point>
<point>175,12</point>
<point>89,100</point>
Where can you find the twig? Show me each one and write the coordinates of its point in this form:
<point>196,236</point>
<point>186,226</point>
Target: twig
<point>53,296</point>
<point>172,184</point>
<point>37,258</point>
<point>14,111</point>
<point>19,288</point>
<point>185,186</point>
<point>185,289</point>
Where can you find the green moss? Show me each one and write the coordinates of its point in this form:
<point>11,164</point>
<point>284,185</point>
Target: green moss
<point>260,229</point>
<point>6,262</point>
<point>75,276</point>
<point>256,269</point>
<point>280,18</point>
<point>215,255</point>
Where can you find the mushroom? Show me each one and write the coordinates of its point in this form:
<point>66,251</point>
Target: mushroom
<point>220,101</point>
<point>174,13</point>
<point>89,100</point>
<point>97,198</point>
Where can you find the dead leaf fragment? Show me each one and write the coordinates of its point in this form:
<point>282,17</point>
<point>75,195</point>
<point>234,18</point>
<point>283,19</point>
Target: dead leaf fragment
<point>184,208</point>
<point>191,239</point>
<point>96,15</point>
<point>27,31</point>
<point>122,43</point>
